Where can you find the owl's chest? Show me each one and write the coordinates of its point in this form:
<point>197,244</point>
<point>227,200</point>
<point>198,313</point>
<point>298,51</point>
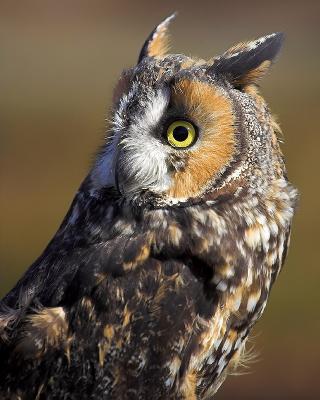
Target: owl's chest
<point>174,328</point>
<point>171,308</point>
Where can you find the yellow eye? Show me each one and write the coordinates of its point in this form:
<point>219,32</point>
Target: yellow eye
<point>181,134</point>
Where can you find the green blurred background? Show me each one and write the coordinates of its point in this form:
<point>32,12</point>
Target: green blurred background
<point>59,62</point>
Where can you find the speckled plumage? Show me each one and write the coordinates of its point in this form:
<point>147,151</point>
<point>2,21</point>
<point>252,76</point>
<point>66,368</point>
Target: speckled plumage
<point>166,257</point>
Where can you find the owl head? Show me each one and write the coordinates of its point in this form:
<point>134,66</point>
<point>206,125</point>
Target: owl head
<point>185,128</point>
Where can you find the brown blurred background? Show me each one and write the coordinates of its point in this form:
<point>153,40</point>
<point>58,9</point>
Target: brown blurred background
<point>59,62</point>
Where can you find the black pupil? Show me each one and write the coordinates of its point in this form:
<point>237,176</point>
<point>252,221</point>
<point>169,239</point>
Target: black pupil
<point>180,133</point>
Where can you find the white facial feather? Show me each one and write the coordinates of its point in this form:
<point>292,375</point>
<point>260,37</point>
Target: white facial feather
<point>103,173</point>
<point>143,155</point>
<point>134,150</point>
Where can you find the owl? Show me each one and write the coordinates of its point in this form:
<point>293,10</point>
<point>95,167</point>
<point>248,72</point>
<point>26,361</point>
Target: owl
<point>167,256</point>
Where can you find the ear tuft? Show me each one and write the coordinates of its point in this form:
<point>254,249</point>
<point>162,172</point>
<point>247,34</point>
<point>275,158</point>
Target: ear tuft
<point>157,43</point>
<point>246,63</point>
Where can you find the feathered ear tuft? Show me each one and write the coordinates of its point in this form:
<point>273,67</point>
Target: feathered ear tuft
<point>246,63</point>
<point>157,43</point>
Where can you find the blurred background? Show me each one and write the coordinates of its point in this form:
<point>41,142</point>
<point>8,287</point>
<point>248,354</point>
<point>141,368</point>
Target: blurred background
<point>59,62</point>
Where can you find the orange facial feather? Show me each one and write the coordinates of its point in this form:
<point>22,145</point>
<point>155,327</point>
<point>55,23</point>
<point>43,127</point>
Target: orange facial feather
<point>212,112</point>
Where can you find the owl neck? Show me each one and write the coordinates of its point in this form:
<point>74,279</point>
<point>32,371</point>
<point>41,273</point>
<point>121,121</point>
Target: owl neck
<point>122,235</point>
<point>101,217</point>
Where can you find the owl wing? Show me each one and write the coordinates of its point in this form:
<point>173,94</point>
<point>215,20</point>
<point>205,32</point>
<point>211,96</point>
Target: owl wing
<point>129,323</point>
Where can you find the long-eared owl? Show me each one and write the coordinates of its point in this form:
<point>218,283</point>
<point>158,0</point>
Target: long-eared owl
<point>167,255</point>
